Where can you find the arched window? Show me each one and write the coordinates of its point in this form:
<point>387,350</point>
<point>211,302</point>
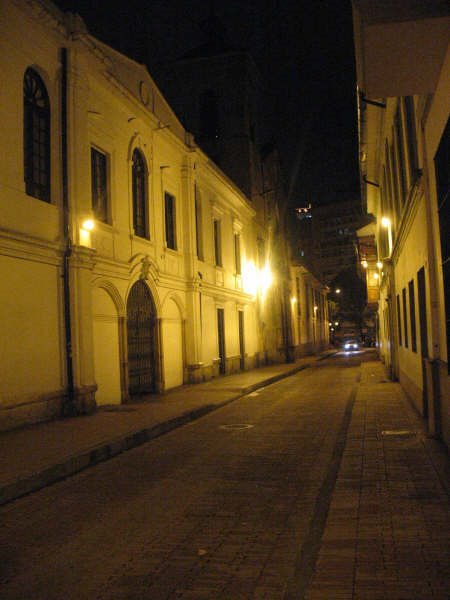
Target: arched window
<point>36,136</point>
<point>140,210</point>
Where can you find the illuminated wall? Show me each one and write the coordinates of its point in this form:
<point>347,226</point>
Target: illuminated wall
<point>403,118</point>
<point>113,109</point>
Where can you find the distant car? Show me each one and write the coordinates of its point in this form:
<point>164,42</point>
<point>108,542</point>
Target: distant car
<point>350,344</point>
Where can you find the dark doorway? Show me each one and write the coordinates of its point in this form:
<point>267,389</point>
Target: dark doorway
<point>423,332</point>
<point>141,320</point>
<point>221,339</point>
<point>241,340</point>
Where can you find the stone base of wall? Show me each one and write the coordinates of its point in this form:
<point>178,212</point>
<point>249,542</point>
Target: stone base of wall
<point>438,379</point>
<point>444,402</point>
<point>233,365</point>
<point>46,408</point>
<point>303,350</point>
<point>414,393</point>
<point>195,373</point>
<point>200,372</point>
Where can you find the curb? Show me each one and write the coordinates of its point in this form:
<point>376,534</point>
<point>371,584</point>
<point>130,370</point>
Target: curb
<point>106,450</point>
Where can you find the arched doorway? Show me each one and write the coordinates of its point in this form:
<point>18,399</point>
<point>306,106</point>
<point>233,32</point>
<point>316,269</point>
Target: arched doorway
<point>141,333</point>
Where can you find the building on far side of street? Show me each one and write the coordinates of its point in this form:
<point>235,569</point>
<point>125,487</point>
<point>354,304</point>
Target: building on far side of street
<point>403,76</point>
<point>309,312</point>
<point>128,259</point>
<point>130,262</point>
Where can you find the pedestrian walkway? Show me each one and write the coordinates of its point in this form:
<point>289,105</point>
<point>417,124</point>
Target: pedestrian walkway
<point>35,456</point>
<point>387,531</point>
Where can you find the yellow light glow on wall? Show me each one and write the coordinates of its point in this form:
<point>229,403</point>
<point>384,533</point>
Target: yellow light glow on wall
<point>85,232</point>
<point>256,280</point>
<point>249,278</point>
<point>88,225</point>
<point>386,223</point>
<point>364,263</point>
<point>265,279</point>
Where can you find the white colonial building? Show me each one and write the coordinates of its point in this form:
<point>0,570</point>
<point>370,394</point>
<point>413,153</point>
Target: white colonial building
<point>128,260</point>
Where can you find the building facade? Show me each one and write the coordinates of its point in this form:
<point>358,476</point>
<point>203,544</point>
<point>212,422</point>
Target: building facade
<point>309,312</point>
<point>130,263</point>
<point>128,259</point>
<point>403,73</point>
<point>334,233</point>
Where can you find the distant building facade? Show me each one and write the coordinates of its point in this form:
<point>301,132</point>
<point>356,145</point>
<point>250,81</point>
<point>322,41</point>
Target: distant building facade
<point>403,73</point>
<point>370,271</point>
<point>309,312</point>
<point>334,233</point>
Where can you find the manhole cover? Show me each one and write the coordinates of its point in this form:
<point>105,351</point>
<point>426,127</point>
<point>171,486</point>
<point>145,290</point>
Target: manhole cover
<point>236,426</point>
<point>402,433</point>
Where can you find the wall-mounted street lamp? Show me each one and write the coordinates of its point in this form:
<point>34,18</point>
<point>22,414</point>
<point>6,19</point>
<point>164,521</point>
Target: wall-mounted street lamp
<point>256,281</point>
<point>88,224</point>
<point>85,232</point>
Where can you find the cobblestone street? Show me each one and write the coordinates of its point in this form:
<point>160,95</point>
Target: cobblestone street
<point>321,486</point>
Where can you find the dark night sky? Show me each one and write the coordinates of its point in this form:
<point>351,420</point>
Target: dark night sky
<point>304,50</point>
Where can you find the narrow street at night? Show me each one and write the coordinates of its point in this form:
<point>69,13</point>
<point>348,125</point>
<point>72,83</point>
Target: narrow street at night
<point>322,486</point>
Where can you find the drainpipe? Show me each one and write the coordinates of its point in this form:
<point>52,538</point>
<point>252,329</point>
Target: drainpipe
<point>69,403</point>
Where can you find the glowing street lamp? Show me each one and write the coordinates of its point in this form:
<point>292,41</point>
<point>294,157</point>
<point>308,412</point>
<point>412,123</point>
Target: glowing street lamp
<point>88,225</point>
<point>386,223</point>
<point>85,232</point>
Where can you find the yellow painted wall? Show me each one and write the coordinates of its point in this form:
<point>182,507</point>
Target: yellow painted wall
<point>172,334</point>
<point>31,340</point>
<point>106,348</point>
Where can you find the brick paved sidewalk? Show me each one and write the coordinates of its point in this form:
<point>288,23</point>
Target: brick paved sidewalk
<point>387,534</point>
<point>32,457</point>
